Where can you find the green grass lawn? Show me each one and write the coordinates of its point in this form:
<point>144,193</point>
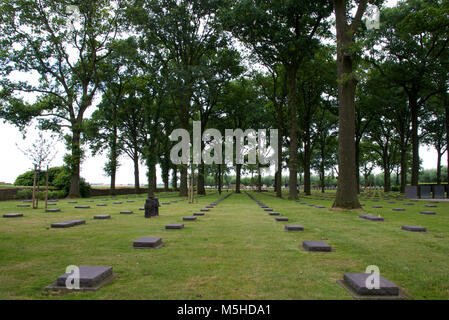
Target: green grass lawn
<point>235,251</point>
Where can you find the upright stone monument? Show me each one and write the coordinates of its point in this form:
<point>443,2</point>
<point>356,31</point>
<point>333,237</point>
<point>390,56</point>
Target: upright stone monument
<point>438,192</point>
<point>425,192</point>
<point>151,207</point>
<point>411,192</point>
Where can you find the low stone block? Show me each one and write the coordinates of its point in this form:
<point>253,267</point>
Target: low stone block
<point>428,212</point>
<point>23,205</point>
<point>82,207</point>
<point>316,246</point>
<point>376,207</point>
<point>357,282</point>
<point>268,209</point>
<point>90,276</point>
<point>293,227</point>
<point>281,219</point>
<point>189,218</point>
<point>126,212</point>
<point>129,201</point>
<point>77,222</point>
<point>414,228</point>
<point>116,203</point>
<point>165,203</point>
<point>52,210</point>
<point>199,214</point>
<point>174,226</point>
<point>102,216</point>
<point>148,243</point>
<point>13,215</point>
<point>205,210</point>
<point>371,217</point>
<point>101,205</point>
<point>66,224</point>
<point>320,207</point>
<point>398,209</point>
<point>273,213</point>
<point>430,206</point>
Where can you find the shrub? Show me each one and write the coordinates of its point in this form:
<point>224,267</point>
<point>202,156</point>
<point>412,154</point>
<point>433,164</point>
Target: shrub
<point>62,182</point>
<point>24,194</point>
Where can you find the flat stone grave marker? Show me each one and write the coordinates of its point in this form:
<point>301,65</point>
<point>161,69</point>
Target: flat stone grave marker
<point>101,205</point>
<point>148,243</point>
<point>293,227</point>
<point>72,202</point>
<point>356,284</point>
<point>398,209</point>
<point>51,204</point>
<point>89,200</point>
<point>28,201</point>
<point>438,192</point>
<point>391,202</point>
<point>411,192</point>
<point>13,215</point>
<point>129,201</point>
<point>425,192</point>
<point>141,208</point>
<point>430,206</point>
<point>82,207</point>
<point>204,210</point>
<point>371,217</point>
<point>52,210</point>
<point>102,216</point>
<point>189,218</point>
<point>165,202</point>
<point>175,226</point>
<point>116,203</point>
<point>281,219</point>
<point>408,204</point>
<point>320,207</point>
<point>316,246</point>
<point>428,212</point>
<point>198,214</point>
<point>92,278</point>
<point>126,212</point>
<point>23,205</point>
<point>210,207</point>
<point>302,203</point>
<point>376,207</point>
<point>414,228</point>
<point>273,213</point>
<point>66,224</point>
<point>268,209</point>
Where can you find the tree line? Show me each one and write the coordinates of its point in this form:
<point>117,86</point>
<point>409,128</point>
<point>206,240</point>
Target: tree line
<point>122,75</point>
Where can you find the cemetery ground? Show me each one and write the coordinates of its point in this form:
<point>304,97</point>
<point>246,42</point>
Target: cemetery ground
<point>235,251</point>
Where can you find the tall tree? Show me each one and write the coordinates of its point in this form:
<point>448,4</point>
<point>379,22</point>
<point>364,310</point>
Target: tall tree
<point>286,32</point>
<point>36,37</point>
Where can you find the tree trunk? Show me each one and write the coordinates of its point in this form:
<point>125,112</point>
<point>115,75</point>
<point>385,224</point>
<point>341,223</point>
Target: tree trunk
<point>446,109</point>
<point>293,148</point>
<point>357,164</point>
<point>75,163</point>
<point>219,179</point>
<point>439,166</point>
<point>201,172</point>
<point>151,178</point>
<point>278,175</point>
<point>346,196</point>
<point>175,179</point>
<point>136,172</point>
<point>238,170</point>
<point>415,140</point>
<point>307,155</point>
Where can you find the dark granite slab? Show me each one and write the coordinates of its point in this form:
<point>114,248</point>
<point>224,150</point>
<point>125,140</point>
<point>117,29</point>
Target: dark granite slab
<point>102,216</point>
<point>316,246</point>
<point>357,281</point>
<point>273,213</point>
<point>13,215</point>
<point>199,214</point>
<point>174,226</point>
<point>90,276</point>
<point>411,192</point>
<point>428,212</point>
<point>148,243</point>
<point>371,217</point>
<point>281,219</point>
<point>189,218</point>
<point>414,228</point>
<point>126,212</point>
<point>425,192</point>
<point>293,227</point>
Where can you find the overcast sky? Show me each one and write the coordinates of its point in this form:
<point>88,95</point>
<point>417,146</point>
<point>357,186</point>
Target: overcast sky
<point>13,162</point>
